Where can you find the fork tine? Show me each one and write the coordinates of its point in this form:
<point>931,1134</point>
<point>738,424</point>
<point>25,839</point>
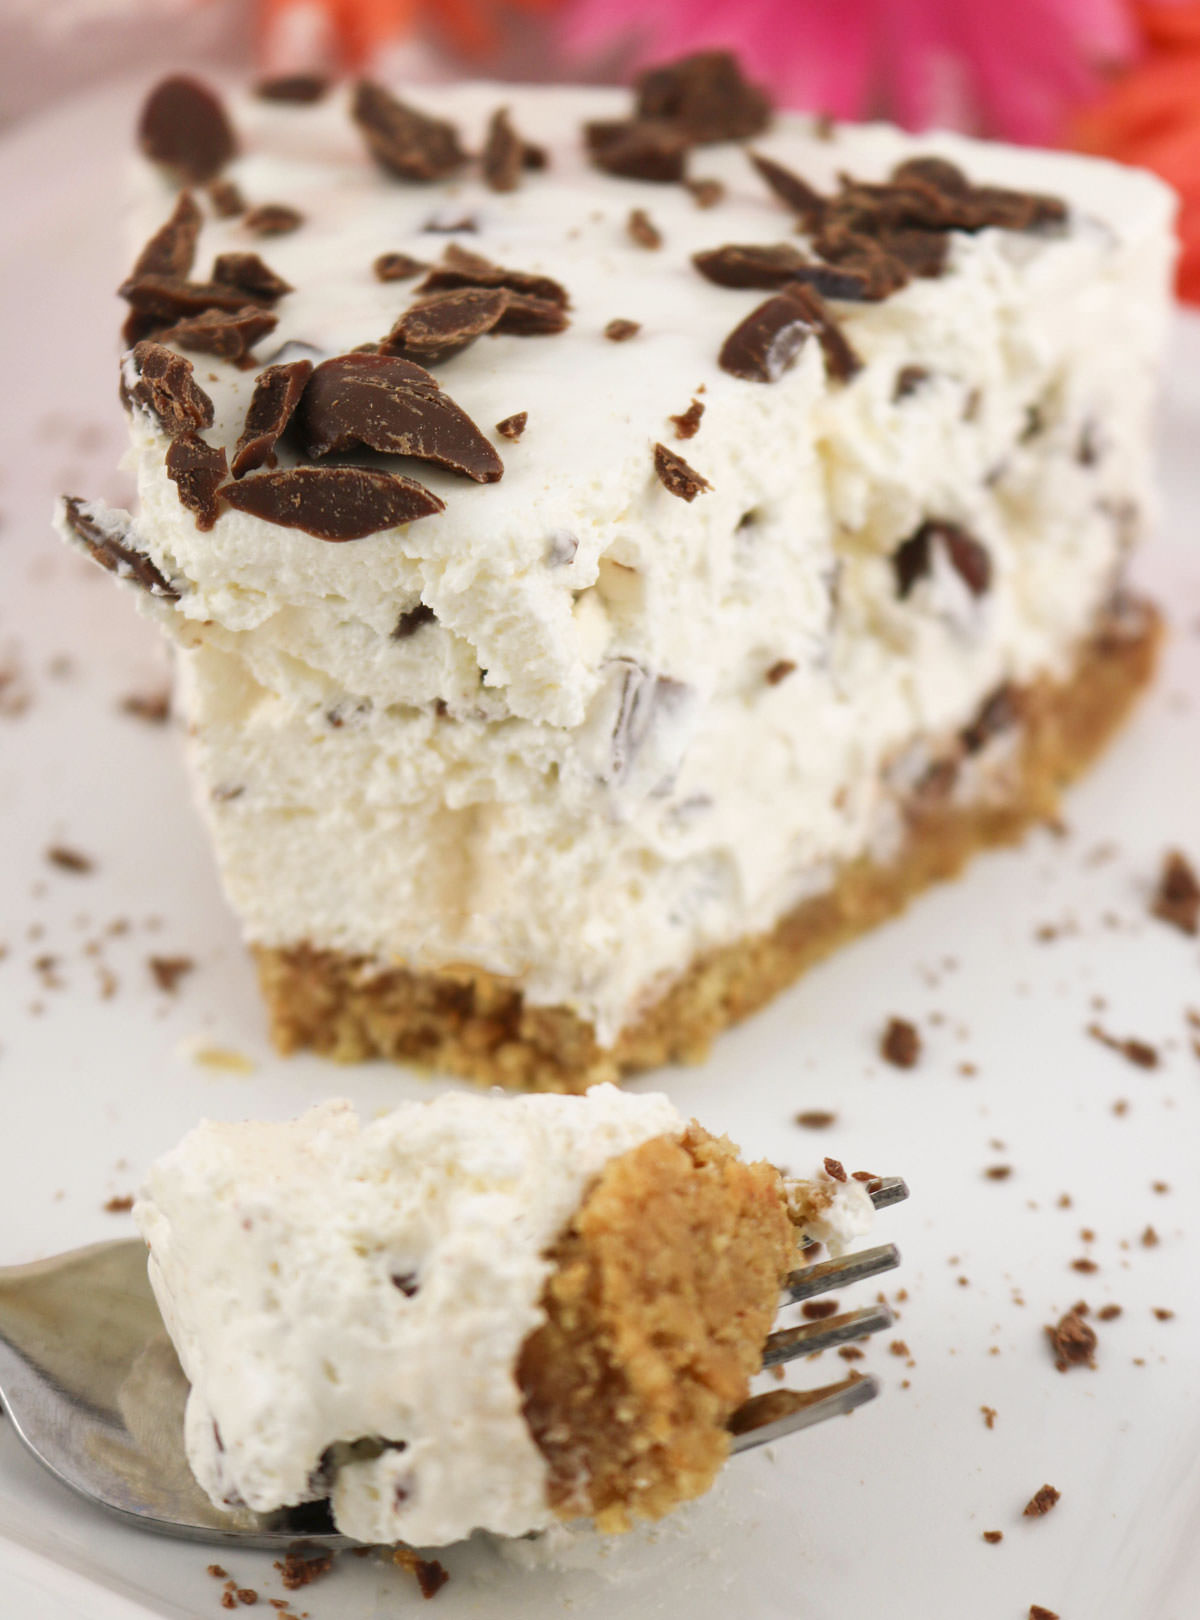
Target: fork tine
<point>889,1190</point>
<point>768,1417</point>
<point>809,1281</point>
<point>788,1343</point>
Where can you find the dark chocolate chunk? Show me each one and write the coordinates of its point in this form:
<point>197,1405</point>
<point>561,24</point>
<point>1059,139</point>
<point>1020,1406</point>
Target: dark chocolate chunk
<point>913,560</point>
<point>333,503</point>
<point>183,128</point>
<point>409,623</point>
<point>707,193</point>
<point>639,149</point>
<point>512,427</point>
<point>397,267</point>
<point>643,230</point>
<point>998,712</point>
<point>706,95</point>
<point>391,405</point>
<point>197,470</point>
<point>795,193</point>
<point>779,671</point>
<point>405,142</point>
<point>922,253</point>
<point>765,344</point>
<point>676,476</point>
<point>171,251</point>
<point>164,299</point>
<point>300,89</point>
<point>443,323</point>
<point>226,199</point>
<point>272,219</point>
<point>908,380</point>
<point>248,274</point>
<point>746,265</point>
<point>459,268</point>
<point>620,330</point>
<point>277,392</point>
<point>687,423</point>
<point>503,153</point>
<point>112,551</point>
<point>527,316</point>
<point>228,334</point>
<point>167,388</point>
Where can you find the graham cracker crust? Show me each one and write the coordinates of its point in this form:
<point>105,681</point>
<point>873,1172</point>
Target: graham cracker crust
<point>478,1026</point>
<point>665,1284</point>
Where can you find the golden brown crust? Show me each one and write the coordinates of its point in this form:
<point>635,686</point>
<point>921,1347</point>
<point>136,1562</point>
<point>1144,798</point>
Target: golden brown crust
<point>479,1026</point>
<point>664,1288</point>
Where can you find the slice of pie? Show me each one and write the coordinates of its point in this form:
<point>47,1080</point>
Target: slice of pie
<point>620,548</point>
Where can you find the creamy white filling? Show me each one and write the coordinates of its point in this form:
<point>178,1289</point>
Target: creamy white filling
<point>579,775</point>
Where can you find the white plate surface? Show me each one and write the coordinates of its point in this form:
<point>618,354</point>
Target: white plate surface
<point>880,1513</point>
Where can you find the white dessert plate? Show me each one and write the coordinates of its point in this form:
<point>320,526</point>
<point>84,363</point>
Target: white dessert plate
<point>101,1069</point>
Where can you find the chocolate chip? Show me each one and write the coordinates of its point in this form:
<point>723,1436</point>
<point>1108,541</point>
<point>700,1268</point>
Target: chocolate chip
<point>620,331</point>
<point>230,335</point>
<point>394,406</point>
<point>407,625</point>
<point>397,267</point>
<point>512,427</point>
<point>406,1281</point>
<point>197,470</point>
<point>503,153</point>
<point>1177,898</point>
<point>273,219</point>
<point>1040,1503</point>
<point>443,323</point>
<point>795,193</point>
<point>277,392</point>
<point>746,265</point>
<point>402,140</point>
<point>333,503</point>
<point>643,230</point>
<point>108,545</point>
<point>687,423</point>
<point>900,1044</point>
<point>636,149</point>
<point>913,560</point>
<point>526,316</point>
<point>908,380</point>
<point>171,251</point>
<point>249,275</point>
<point>183,128</point>
<point>227,201</point>
<point>706,96</point>
<point>459,268</point>
<point>676,476</point>
<point>706,193</point>
<point>166,387</point>
<point>299,89</point>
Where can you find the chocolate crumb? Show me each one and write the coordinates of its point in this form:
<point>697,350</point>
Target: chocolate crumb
<point>247,1596</point>
<point>851,1352</point>
<point>120,1205</point>
<point>1150,1238</point>
<point>989,1416</point>
<point>901,1043</point>
<point>998,1172</point>
<point>219,1573</point>
<point>512,427</point>
<point>643,230</point>
<point>410,622</point>
<point>503,153</point>
<point>70,860</point>
<point>405,142</point>
<point>993,1537</point>
<point>1108,1313</point>
<point>1177,898</point>
<point>1040,1503</point>
<point>1084,1265</point>
<point>1140,1053</point>
<point>687,423</point>
<point>816,1119</point>
<point>899,1348</point>
<point>167,971</point>
<point>1162,1314</point>
<point>228,1601</point>
<point>431,1575</point>
<point>184,129</point>
<point>1073,1342</point>
<point>620,331</point>
<point>816,1310</point>
<point>272,219</point>
<point>277,392</point>
<point>780,670</point>
<point>197,470</point>
<point>226,199</point>
<point>397,267</point>
<point>296,1571</point>
<point>299,89</point>
<point>333,503</point>
<point>706,193</point>
<point>153,707</point>
<point>676,476</point>
<point>835,1169</point>
<point>1037,1612</point>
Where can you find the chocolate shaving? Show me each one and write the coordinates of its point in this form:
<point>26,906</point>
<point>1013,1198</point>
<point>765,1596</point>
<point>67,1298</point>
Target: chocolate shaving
<point>706,96</point>
<point>397,267</point>
<point>226,199</point>
<point>503,153</point>
<point>163,298</point>
<point>171,251</point>
<point>184,129</point>
<point>333,503</point>
<point>643,230</point>
<point>273,219</point>
<point>806,203</point>
<point>913,560</point>
<point>745,265</point>
<point>277,392</point>
<point>706,193</point>
<point>512,427</point>
<point>298,89</point>
<point>197,470</point>
<point>403,141</point>
<point>444,323</point>
<point>1177,899</point>
<point>766,343</point>
<point>230,335</point>
<point>1040,1503</point>
<point>676,476</point>
<point>393,406</point>
<point>646,149</point>
<point>112,552</point>
<point>620,331</point>
<point>687,423</point>
<point>407,625</point>
<point>166,387</point>
<point>459,268</point>
<point>249,275</point>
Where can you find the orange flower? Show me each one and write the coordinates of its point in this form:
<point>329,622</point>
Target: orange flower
<point>1151,116</point>
<point>360,28</point>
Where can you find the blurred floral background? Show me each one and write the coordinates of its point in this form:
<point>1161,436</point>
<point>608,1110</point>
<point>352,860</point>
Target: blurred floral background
<point>1117,77</point>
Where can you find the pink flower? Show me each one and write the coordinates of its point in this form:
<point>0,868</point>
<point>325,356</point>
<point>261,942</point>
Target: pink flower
<point>1001,67</point>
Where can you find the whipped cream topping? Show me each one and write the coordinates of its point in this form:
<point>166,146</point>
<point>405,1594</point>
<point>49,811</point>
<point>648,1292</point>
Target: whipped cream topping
<point>577,774</point>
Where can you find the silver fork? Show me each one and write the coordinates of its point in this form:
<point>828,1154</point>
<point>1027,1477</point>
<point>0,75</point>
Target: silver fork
<point>93,1388</point>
